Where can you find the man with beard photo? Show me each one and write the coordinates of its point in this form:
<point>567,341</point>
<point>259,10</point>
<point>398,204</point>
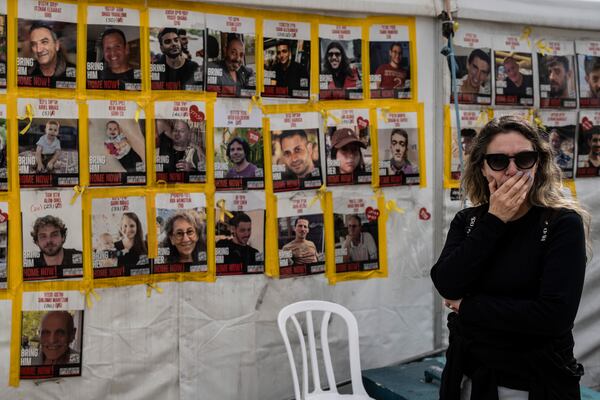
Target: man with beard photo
<point>558,76</point>
<point>297,154</point>
<point>234,75</point>
<point>179,70</point>
<point>338,69</point>
<point>593,142</point>
<point>49,234</point>
<point>239,251</point>
<point>289,73</point>
<point>238,151</point>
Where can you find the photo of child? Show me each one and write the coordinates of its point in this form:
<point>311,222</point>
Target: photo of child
<point>118,146</point>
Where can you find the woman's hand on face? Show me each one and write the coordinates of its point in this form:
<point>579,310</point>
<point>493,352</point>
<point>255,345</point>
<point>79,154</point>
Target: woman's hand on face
<point>506,200</point>
<point>454,305</point>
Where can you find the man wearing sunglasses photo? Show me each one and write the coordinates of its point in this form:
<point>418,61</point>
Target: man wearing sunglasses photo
<point>511,272</point>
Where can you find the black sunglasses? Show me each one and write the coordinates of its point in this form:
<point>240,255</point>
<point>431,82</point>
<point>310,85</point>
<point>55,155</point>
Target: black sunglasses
<point>523,160</point>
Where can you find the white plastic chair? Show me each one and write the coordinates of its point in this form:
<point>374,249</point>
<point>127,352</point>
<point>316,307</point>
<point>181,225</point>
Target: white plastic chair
<point>307,307</point>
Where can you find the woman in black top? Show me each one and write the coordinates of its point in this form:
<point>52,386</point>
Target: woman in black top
<point>512,272</point>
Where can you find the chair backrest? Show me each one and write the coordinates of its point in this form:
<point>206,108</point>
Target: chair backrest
<point>307,307</point>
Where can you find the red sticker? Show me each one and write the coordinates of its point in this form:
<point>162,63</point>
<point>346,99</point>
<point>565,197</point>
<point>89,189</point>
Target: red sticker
<point>362,123</point>
<point>424,214</point>
<point>586,124</point>
<point>195,114</point>
<point>253,137</point>
<point>372,214</point>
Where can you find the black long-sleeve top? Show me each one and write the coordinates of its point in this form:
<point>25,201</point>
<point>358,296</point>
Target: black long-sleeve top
<point>520,281</point>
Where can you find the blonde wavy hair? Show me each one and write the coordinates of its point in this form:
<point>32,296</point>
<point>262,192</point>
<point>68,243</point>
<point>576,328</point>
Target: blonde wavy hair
<point>547,185</point>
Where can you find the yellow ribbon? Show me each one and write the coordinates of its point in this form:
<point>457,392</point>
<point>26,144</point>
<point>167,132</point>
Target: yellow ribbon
<point>384,114</point>
<point>539,123</point>
<point>490,113</point>
<point>525,35</point>
<point>455,26</point>
<point>481,118</point>
<point>326,115</point>
<point>377,194</point>
<point>150,286</point>
<point>255,101</point>
<point>88,300</point>
<point>28,116</point>
<point>543,47</point>
<point>320,195</point>
<point>223,211</point>
<point>78,192</point>
<point>138,111</point>
<point>391,205</point>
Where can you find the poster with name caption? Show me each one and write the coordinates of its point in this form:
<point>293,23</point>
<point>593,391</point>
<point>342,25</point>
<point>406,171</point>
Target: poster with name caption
<point>356,219</point>
<point>119,232</point>
<point>560,133</point>
<point>301,235</point>
<point>296,159</point>
<point>176,49</point>
<point>113,48</point>
<point>52,232</point>
<point>239,146</point>
<point>588,62</point>
<point>588,149</point>
<point>389,50</point>
<point>472,49</point>
<point>398,139</point>
<point>348,147</point>
<point>513,70</point>
<point>286,48</point>
<point>3,46</point>
<point>471,122</point>
<point>230,55</point>
<point>181,233</point>
<point>3,149</point>
<point>556,67</point>
<point>340,62</point>
<point>51,334</point>
<point>240,233</point>
<point>3,244</point>
<point>180,138</point>
<point>520,113</point>
<point>47,49</point>
<point>49,146</point>
<point>117,147</point>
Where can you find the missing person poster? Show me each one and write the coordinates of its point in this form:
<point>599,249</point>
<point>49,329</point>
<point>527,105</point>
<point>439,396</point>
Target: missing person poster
<point>51,334</point>
<point>389,50</point>
<point>521,113</point>
<point>176,49</point>
<point>588,149</point>
<point>286,48</point>
<point>514,70</point>
<point>340,58</point>
<point>398,139</point>
<point>119,232</point>
<point>472,49</point>
<point>348,147</point>
<point>560,133</point>
<point>181,233</point>
<point>3,149</point>
<point>301,235</point>
<point>117,147</point>
<point>52,232</point>
<point>47,50</point>
<point>239,146</point>
<point>240,233</point>
<point>471,122</point>
<point>556,66</point>
<point>588,61</point>
<point>296,160</point>
<point>356,220</point>
<point>113,48</point>
<point>3,45</point>
<point>49,147</point>
<point>180,138</point>
<point>3,244</point>
<point>230,55</point>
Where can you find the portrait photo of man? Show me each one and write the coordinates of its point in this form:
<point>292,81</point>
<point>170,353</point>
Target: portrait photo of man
<point>57,333</point>
<point>360,246</point>
<point>393,75</point>
<point>115,50</point>
<point>593,142</point>
<point>239,251</point>
<point>561,158</point>
<point>178,146</point>
<point>589,86</point>
<point>303,251</point>
<point>399,163</point>
<point>238,153</point>
<point>477,79</point>
<point>229,75</point>
<point>298,155</point>
<point>49,234</point>
<point>513,86</point>
<point>179,70</point>
<point>288,77</point>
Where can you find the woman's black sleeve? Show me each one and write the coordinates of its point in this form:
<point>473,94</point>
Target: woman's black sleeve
<point>462,260</point>
<point>553,310</point>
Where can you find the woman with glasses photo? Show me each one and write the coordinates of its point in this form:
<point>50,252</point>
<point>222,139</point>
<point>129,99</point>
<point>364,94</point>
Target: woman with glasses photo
<point>185,238</point>
<point>337,66</point>
<point>511,272</point>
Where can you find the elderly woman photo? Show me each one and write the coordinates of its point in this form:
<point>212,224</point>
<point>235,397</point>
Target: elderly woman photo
<point>185,237</point>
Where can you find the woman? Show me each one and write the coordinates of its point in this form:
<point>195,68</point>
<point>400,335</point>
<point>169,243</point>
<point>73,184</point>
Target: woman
<point>512,271</point>
<point>131,247</point>
<point>337,65</point>
<point>185,238</point>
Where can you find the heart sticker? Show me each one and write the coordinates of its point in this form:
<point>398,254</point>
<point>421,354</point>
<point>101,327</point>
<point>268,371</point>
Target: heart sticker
<point>586,124</point>
<point>372,214</point>
<point>253,137</point>
<point>362,123</point>
<point>424,214</point>
<point>195,114</point>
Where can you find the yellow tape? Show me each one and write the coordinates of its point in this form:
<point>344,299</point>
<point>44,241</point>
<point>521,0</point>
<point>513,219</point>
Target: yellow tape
<point>319,196</point>
<point>28,116</point>
<point>542,47</point>
<point>384,114</point>
<point>255,101</point>
<point>538,121</point>
<point>78,192</point>
<point>526,34</point>
<point>392,206</point>
<point>89,292</point>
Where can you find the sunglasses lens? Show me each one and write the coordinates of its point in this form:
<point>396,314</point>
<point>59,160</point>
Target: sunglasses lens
<point>497,162</point>
<point>526,159</point>
<point>523,160</point>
